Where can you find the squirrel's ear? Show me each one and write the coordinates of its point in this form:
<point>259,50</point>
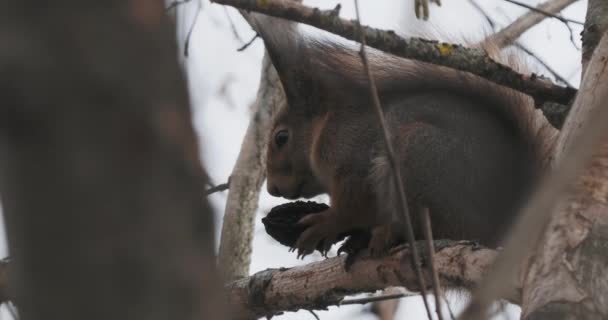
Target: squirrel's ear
<point>290,56</point>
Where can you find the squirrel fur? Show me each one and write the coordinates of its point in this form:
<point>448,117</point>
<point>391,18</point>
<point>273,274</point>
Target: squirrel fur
<point>469,150</point>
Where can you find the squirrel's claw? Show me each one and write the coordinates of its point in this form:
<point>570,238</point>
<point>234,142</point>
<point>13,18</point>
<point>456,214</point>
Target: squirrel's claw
<point>318,234</point>
<point>355,243</point>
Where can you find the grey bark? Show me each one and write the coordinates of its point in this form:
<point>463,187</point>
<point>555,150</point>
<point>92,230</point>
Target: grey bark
<point>100,176</point>
<point>247,177</point>
<point>596,24</point>
<point>559,219</point>
<point>566,279</point>
<point>325,283</point>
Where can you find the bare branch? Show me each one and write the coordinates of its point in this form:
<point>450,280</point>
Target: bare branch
<point>545,12</point>
<point>319,285</point>
<point>596,24</point>
<point>547,67</point>
<point>191,29</point>
<point>246,45</point>
<point>473,60</point>
<point>246,179</point>
<point>218,188</point>
<point>176,3</point>
<point>520,46</point>
<point>509,34</point>
<point>378,298</point>
<point>235,32</point>
<point>395,167</point>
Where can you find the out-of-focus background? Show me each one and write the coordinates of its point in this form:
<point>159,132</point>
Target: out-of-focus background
<point>223,84</point>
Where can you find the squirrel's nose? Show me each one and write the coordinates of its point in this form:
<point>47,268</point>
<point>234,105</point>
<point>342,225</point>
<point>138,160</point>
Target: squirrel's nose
<point>274,191</point>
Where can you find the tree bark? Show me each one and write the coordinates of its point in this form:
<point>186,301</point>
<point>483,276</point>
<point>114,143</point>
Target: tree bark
<point>596,24</point>
<point>100,175</point>
<point>325,283</point>
<point>566,278</point>
<point>247,177</point>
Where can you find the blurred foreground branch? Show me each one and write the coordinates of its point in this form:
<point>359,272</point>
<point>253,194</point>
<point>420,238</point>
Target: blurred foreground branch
<point>101,178</point>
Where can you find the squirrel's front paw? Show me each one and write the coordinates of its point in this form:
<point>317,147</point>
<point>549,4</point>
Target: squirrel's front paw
<point>356,242</point>
<point>320,234</point>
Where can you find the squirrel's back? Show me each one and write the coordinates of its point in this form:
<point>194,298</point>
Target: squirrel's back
<point>469,149</point>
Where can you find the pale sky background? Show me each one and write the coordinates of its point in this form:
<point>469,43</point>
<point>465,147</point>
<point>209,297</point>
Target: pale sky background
<point>223,84</point>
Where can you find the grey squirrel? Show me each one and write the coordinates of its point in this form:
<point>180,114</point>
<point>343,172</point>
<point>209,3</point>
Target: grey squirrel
<point>469,150</point>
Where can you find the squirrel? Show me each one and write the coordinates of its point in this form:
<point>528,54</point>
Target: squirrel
<point>469,150</point>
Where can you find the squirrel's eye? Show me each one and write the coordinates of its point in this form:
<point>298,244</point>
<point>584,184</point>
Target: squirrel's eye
<point>281,137</point>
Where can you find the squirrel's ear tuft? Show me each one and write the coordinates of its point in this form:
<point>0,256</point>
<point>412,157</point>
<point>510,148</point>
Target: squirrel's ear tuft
<point>290,55</point>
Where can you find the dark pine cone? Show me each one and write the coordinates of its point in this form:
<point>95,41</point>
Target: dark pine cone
<point>281,221</point>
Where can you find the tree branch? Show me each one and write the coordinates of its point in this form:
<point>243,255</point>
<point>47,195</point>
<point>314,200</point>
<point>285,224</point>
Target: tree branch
<point>596,24</point>
<point>583,132</point>
<point>545,12</point>
<point>510,33</point>
<point>319,285</point>
<point>247,177</point>
<point>472,60</point>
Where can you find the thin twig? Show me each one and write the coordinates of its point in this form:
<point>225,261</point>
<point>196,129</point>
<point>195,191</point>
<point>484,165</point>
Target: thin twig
<point>189,35</point>
<point>377,298</point>
<point>428,234</point>
<point>556,75</point>
<point>520,46</point>
<point>246,45</point>
<point>548,14</point>
<point>515,29</point>
<point>314,314</point>
<point>447,303</point>
<point>572,38</point>
<point>218,188</point>
<point>483,12</point>
<point>236,34</point>
<point>393,162</point>
<point>176,3</point>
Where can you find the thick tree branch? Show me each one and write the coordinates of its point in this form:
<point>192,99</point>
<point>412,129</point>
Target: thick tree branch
<point>596,24</point>
<point>322,284</point>
<point>510,33</point>
<point>246,179</point>
<point>472,60</point>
